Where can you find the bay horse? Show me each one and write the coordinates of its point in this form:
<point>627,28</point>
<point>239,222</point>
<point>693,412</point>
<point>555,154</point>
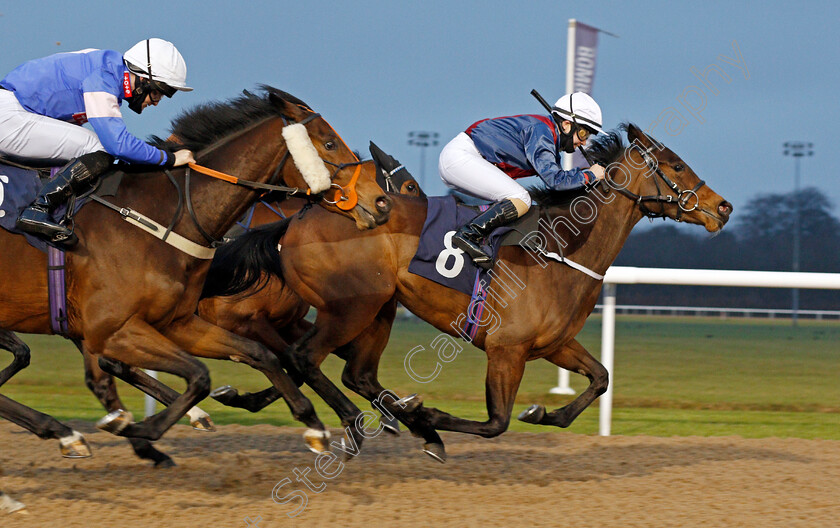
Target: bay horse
<point>353,279</point>
<point>132,298</point>
<point>271,314</point>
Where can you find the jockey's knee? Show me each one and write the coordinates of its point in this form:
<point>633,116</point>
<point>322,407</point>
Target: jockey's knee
<point>522,202</point>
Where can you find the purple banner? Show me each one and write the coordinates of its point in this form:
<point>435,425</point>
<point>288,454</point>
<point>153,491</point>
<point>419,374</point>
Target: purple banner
<point>583,67</point>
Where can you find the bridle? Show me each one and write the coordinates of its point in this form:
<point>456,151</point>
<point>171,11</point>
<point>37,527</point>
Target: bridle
<point>344,198</point>
<point>682,198</point>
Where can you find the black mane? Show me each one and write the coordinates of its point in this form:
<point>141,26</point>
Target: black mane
<point>207,123</point>
<point>603,150</point>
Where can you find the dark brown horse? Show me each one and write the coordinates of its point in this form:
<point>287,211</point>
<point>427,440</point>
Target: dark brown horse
<point>132,298</point>
<point>354,278</point>
<point>271,314</point>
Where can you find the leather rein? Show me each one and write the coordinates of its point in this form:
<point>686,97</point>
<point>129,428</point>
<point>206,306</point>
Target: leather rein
<point>343,198</point>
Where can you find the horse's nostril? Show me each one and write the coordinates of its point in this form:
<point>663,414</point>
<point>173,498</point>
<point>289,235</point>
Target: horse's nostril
<point>725,208</point>
<point>383,204</point>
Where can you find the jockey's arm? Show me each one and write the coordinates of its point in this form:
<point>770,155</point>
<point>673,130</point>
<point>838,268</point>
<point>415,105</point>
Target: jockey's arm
<point>542,155</point>
<point>103,114</point>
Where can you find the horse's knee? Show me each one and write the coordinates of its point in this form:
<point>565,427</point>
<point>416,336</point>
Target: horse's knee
<point>22,356</point>
<point>199,380</point>
<point>600,380</point>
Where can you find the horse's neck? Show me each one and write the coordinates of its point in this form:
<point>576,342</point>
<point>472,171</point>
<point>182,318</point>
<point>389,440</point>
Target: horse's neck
<point>613,222</point>
<point>218,205</point>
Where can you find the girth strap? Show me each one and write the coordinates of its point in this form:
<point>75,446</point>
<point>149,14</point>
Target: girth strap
<point>150,226</point>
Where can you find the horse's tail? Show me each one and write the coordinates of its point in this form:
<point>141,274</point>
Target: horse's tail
<point>246,262</point>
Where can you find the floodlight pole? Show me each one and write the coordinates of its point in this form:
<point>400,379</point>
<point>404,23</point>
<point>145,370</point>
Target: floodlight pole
<point>423,139</point>
<point>797,149</point>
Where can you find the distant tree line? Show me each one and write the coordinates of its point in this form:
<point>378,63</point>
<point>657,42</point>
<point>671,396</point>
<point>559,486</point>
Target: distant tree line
<point>759,237</point>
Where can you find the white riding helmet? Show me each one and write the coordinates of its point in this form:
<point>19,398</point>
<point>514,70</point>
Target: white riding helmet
<point>162,58</point>
<point>579,108</point>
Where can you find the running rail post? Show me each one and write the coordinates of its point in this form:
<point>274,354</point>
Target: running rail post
<point>607,355</point>
<point>562,383</point>
<point>151,404</point>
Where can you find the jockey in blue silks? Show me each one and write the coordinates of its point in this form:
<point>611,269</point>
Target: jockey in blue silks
<point>485,160</point>
<point>42,102</point>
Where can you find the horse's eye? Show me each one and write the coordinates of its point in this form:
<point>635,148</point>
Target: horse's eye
<point>329,145</point>
<point>679,167</point>
<point>412,187</point>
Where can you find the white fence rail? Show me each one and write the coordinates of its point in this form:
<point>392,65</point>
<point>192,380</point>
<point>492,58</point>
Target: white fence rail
<point>689,277</point>
<point>769,313</point>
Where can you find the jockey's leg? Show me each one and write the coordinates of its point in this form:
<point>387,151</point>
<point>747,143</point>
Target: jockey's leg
<point>77,177</point>
<point>462,167</point>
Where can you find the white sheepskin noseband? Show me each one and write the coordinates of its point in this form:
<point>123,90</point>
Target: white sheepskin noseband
<point>306,158</point>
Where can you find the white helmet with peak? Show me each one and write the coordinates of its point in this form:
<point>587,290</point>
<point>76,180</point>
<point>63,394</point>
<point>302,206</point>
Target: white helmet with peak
<point>159,61</point>
<point>579,108</point>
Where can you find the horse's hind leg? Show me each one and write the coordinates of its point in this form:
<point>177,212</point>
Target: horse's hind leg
<point>571,356</point>
<point>103,387</point>
<point>505,366</point>
<point>11,342</point>
<point>73,444</point>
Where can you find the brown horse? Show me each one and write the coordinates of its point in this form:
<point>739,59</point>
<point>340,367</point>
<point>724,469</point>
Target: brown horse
<point>271,314</point>
<point>535,310</point>
<point>132,298</point>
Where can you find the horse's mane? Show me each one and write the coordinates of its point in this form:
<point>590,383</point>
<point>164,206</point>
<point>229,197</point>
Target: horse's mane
<point>603,150</point>
<point>207,123</point>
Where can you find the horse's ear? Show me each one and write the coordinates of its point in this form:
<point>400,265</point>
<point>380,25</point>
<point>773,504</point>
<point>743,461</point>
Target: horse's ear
<point>287,108</point>
<point>637,137</point>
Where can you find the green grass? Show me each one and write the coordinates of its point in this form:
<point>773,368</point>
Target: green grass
<point>673,376</point>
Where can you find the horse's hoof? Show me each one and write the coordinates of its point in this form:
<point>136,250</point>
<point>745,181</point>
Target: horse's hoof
<point>114,422</point>
<point>410,403</point>
<point>317,441</point>
<point>436,451</point>
<point>390,425</point>
<point>75,446</point>
<point>10,505</point>
<point>224,394</point>
<point>165,463</point>
<point>533,414</point>
<point>204,424</point>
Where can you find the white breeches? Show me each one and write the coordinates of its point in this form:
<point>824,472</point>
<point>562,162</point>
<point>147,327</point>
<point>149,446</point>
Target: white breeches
<point>39,138</point>
<point>462,168</point>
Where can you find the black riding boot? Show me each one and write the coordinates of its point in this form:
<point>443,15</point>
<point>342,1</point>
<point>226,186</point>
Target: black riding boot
<point>469,237</point>
<point>78,176</point>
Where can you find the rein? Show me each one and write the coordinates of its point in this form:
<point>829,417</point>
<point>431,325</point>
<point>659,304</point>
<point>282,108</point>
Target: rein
<point>682,198</point>
<point>343,198</point>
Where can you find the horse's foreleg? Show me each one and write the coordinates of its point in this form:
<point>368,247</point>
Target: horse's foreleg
<point>102,385</point>
<point>203,339</point>
<point>263,331</point>
<point>571,356</point>
<point>505,367</point>
<point>309,352</point>
<point>139,344</point>
<point>11,342</point>
<point>360,374</point>
<point>137,378</point>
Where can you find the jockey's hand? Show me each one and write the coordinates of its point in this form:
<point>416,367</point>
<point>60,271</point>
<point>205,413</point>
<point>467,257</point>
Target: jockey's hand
<point>597,171</point>
<point>182,157</point>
